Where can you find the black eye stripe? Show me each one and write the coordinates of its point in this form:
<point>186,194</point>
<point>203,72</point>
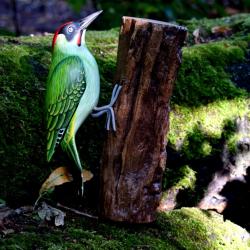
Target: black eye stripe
<point>70,31</point>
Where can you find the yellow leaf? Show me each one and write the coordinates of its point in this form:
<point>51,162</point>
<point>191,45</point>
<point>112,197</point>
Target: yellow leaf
<point>58,177</point>
<point>86,175</point>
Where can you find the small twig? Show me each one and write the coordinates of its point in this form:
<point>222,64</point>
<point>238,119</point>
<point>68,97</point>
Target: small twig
<point>77,211</point>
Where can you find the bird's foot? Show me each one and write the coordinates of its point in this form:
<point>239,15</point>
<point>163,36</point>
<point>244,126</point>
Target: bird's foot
<point>109,109</point>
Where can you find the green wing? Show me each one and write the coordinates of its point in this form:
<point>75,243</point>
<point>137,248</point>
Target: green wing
<point>65,87</point>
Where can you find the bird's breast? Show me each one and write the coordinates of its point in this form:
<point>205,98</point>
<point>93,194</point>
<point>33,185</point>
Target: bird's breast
<point>90,97</point>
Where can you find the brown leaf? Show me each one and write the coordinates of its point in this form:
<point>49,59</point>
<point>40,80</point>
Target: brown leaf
<point>86,175</point>
<point>221,30</point>
<point>58,177</point>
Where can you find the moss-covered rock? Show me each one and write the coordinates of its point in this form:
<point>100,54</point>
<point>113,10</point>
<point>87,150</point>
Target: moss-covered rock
<point>206,102</point>
<point>187,228</point>
<point>233,26</point>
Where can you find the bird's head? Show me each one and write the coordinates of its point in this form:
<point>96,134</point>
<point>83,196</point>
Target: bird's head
<point>73,33</point>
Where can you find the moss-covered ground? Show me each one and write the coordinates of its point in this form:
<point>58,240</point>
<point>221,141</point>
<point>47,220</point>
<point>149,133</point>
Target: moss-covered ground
<point>187,228</point>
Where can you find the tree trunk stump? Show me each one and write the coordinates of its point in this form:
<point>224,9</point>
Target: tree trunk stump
<point>134,156</point>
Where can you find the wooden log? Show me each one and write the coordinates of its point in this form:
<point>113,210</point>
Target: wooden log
<point>134,157</point>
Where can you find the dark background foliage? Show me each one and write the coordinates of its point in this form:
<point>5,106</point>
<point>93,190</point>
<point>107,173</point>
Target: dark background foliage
<point>37,16</point>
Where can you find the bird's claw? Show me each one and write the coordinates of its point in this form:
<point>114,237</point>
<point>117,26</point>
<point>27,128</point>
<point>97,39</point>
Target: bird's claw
<point>109,109</point>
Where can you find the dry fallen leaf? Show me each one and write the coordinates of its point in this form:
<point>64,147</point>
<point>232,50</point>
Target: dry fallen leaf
<point>221,30</point>
<point>86,175</point>
<point>58,177</point>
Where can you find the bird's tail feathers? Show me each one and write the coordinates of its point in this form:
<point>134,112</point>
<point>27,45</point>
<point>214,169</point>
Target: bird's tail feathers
<point>71,150</point>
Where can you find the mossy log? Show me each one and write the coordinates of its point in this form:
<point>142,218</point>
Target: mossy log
<point>134,156</point>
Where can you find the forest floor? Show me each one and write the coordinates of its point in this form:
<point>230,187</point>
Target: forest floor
<point>186,228</point>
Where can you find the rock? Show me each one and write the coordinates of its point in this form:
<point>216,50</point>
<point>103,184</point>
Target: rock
<point>211,93</point>
<point>39,16</point>
<point>235,165</point>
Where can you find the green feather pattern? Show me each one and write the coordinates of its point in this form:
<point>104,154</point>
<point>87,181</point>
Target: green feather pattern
<point>65,87</point>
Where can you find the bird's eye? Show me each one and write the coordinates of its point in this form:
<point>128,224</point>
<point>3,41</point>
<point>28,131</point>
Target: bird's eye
<point>70,29</point>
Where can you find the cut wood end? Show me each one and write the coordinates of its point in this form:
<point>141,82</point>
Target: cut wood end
<point>155,22</point>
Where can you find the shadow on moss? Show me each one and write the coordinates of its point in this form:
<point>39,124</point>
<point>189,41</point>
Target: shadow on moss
<point>237,195</point>
<point>201,152</point>
<point>186,228</point>
<point>192,169</point>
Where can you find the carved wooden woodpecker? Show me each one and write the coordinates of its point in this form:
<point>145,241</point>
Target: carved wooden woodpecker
<point>73,88</point>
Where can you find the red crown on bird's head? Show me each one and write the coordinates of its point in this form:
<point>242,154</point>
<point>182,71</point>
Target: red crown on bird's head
<point>57,32</point>
<point>72,30</point>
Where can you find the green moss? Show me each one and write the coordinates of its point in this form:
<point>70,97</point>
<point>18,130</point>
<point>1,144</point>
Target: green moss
<point>238,24</point>
<point>188,178</point>
<point>187,228</point>
<point>197,229</point>
<point>205,97</point>
<point>203,79</point>
<point>183,178</point>
<point>4,32</point>
<point>22,88</point>
<point>196,130</point>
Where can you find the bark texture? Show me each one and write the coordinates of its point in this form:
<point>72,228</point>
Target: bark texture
<point>134,157</point>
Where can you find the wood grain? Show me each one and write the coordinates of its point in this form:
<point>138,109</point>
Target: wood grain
<point>134,157</point>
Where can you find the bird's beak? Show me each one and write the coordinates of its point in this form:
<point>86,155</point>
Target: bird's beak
<point>85,22</point>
